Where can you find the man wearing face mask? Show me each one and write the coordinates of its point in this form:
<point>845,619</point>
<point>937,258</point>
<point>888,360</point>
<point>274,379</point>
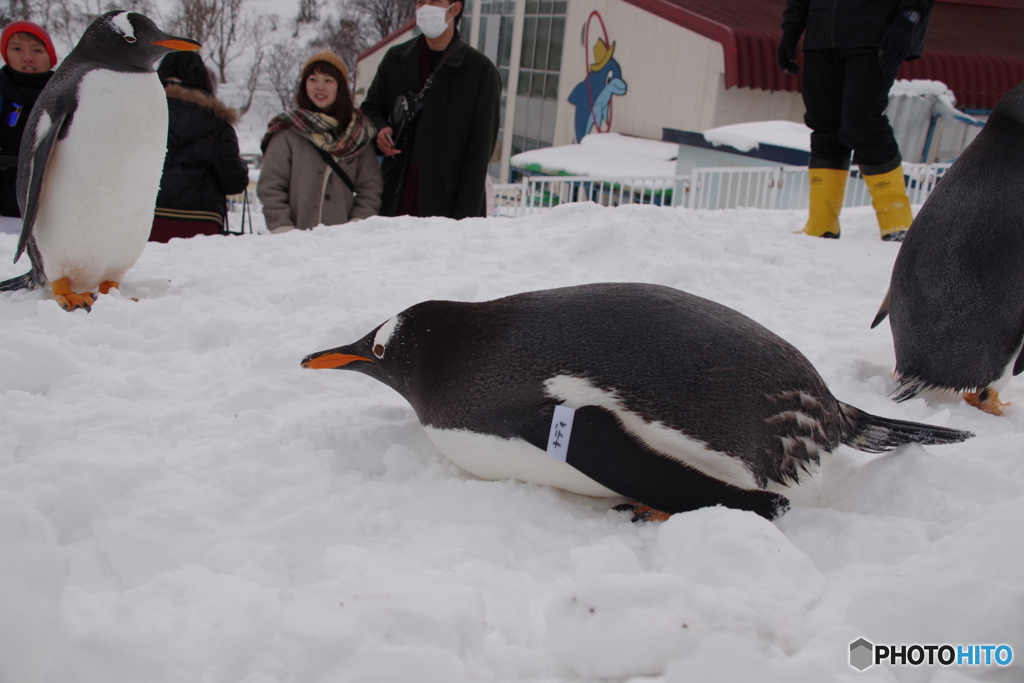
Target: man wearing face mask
<point>441,167</point>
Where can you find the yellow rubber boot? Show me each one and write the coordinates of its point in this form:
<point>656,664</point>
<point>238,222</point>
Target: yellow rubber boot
<point>891,203</point>
<point>828,188</point>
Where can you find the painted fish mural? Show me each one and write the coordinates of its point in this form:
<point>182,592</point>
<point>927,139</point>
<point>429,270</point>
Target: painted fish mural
<point>593,96</point>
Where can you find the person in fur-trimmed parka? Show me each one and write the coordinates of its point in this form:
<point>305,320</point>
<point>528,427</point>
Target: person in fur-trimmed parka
<point>202,164</point>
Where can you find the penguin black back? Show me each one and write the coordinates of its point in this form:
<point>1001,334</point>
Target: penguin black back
<point>692,364</point>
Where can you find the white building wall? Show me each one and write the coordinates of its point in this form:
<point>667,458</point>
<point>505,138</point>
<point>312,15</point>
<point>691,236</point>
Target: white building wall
<point>366,68</point>
<point>673,76</point>
<point>742,105</point>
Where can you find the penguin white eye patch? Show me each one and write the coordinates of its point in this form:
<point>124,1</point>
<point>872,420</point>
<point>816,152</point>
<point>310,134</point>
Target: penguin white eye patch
<point>123,24</point>
<point>383,336</point>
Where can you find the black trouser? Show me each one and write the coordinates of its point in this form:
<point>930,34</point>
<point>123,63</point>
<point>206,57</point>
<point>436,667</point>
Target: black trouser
<point>846,93</point>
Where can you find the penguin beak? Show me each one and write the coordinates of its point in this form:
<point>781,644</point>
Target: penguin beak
<point>173,43</point>
<point>329,360</point>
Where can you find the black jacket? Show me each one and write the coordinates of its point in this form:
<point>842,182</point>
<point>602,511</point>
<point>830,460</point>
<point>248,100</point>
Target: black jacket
<point>19,89</point>
<point>456,131</point>
<point>202,162</point>
<point>828,24</point>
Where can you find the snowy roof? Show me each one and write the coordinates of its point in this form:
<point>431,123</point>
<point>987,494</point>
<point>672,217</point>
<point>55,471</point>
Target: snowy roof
<point>602,154</point>
<point>943,99</point>
<point>749,136</point>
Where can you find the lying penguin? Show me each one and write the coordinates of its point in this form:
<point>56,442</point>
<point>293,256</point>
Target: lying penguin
<point>626,389</point>
<point>956,297</point>
<point>91,160</point>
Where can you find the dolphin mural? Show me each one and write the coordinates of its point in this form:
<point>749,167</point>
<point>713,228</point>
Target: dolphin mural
<point>592,97</point>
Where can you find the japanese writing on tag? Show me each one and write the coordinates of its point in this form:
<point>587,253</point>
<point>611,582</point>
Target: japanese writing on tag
<point>561,430</point>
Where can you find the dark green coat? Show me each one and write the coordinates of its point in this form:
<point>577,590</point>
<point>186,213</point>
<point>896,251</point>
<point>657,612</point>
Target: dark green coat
<point>456,130</point>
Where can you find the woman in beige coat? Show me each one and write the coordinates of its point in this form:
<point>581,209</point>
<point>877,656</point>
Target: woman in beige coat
<point>298,185</point>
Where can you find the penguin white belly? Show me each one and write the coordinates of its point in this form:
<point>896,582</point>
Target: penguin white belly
<point>491,457</point>
<point>1007,375</point>
<point>100,185</point>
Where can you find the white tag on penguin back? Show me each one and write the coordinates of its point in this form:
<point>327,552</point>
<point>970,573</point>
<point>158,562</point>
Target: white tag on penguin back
<point>561,429</point>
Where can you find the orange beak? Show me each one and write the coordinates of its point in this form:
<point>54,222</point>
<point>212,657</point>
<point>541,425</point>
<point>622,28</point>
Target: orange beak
<point>178,44</point>
<point>328,360</point>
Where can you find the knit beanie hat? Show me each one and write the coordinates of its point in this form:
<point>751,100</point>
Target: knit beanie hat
<point>329,57</point>
<point>27,27</point>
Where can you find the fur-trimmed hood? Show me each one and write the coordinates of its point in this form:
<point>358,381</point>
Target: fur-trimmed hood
<point>201,99</point>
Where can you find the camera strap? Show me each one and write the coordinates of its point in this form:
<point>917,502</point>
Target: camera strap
<point>338,170</point>
<point>452,47</point>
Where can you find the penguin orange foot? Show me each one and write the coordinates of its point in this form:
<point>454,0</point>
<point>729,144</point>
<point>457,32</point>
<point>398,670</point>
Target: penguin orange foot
<point>70,300</point>
<point>642,513</point>
<point>986,399</point>
<point>108,285</point>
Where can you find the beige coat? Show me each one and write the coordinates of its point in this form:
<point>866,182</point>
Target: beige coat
<point>299,190</point>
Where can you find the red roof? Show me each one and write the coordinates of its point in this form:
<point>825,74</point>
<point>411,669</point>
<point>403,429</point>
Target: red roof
<point>975,47</point>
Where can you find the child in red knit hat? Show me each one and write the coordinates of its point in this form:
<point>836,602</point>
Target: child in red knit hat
<point>29,55</point>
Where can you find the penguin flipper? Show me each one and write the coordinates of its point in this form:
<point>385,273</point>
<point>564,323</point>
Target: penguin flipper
<point>883,310</point>
<point>1018,367</point>
<point>44,147</point>
<point>600,448</point>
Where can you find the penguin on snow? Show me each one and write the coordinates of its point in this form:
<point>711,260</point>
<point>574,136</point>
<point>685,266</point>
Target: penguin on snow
<point>956,297</point>
<point>627,389</point>
<point>91,160</point>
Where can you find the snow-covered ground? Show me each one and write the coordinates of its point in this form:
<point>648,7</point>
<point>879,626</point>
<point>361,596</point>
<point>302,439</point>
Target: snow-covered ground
<point>181,501</point>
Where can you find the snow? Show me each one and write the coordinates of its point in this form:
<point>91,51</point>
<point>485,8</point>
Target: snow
<point>217,513</point>
<point>603,155</point>
<point>747,137</point>
<point>920,87</point>
<point>941,98</point>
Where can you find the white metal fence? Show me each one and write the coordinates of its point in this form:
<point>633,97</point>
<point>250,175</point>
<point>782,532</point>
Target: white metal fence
<point>777,187</point>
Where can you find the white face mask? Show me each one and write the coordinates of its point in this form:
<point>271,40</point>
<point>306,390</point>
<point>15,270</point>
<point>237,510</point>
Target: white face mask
<point>431,20</point>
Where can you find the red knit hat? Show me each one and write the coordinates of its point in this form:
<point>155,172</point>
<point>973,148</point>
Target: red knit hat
<point>27,27</point>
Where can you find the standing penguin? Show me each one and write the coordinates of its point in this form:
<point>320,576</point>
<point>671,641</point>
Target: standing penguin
<point>91,160</point>
<point>956,297</point>
<point>619,389</point>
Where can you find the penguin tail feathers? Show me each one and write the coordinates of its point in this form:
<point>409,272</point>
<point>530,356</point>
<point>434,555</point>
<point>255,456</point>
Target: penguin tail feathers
<point>908,387</point>
<point>874,434</point>
<point>27,281</point>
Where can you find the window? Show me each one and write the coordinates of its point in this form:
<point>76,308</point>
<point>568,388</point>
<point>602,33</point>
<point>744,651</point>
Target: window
<point>497,18</point>
<point>539,65</point>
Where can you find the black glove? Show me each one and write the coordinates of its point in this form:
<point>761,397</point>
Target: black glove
<point>897,41</point>
<point>787,52</point>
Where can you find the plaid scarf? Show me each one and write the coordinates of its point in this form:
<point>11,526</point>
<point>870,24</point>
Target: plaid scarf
<point>323,131</point>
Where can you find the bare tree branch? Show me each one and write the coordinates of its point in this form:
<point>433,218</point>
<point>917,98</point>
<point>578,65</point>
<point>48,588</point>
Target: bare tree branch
<point>309,11</point>
<point>386,16</point>
<point>346,36</point>
<point>195,19</point>
<point>282,71</point>
<point>226,30</point>
<point>257,40</point>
